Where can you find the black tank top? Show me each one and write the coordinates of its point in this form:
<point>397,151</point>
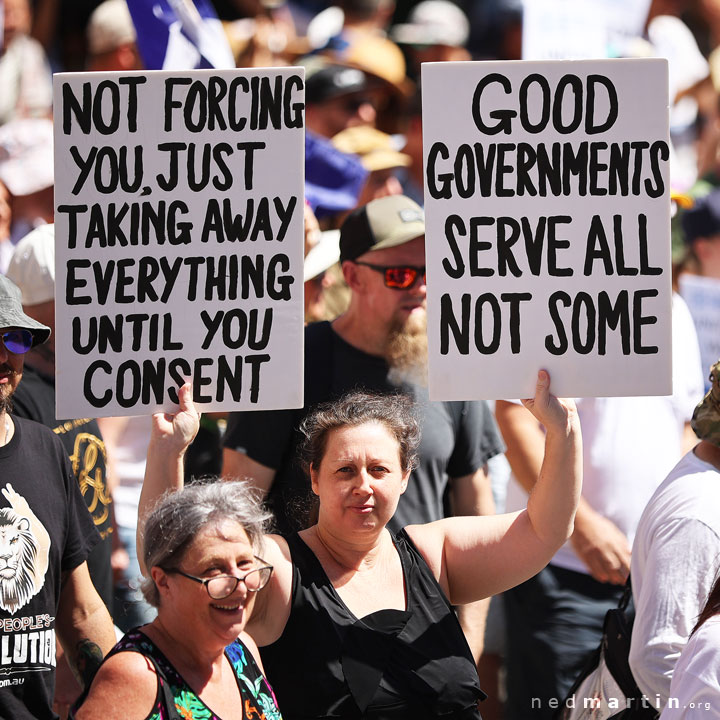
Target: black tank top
<point>412,663</point>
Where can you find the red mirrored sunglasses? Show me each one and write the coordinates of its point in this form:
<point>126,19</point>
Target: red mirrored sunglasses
<point>397,277</point>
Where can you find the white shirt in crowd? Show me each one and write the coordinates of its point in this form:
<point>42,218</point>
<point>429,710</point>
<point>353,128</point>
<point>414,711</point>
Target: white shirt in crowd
<point>695,688</point>
<point>675,559</point>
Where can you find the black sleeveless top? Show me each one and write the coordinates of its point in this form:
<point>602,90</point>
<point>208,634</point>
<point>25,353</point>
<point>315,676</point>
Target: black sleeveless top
<point>390,664</point>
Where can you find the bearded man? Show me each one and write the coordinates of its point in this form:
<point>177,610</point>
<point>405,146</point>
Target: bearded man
<point>378,344</point>
<point>46,534</point>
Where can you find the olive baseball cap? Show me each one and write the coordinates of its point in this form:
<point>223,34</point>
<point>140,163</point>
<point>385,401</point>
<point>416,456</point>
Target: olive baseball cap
<point>383,223</point>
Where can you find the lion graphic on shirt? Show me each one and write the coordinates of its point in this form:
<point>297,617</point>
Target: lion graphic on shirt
<point>24,552</point>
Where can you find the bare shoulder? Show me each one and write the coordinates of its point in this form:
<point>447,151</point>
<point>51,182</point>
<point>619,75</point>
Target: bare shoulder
<point>277,553</point>
<point>251,645</point>
<point>429,539</point>
<point>125,688</point>
<point>272,606</point>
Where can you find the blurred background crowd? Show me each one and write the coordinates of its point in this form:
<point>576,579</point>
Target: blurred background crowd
<point>363,114</point>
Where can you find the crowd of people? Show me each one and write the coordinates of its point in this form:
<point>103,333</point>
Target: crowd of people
<point>374,554</point>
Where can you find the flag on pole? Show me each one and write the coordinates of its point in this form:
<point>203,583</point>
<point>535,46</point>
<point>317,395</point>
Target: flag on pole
<point>180,35</point>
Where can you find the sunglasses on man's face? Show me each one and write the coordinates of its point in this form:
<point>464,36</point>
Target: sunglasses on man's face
<point>397,277</point>
<point>353,104</point>
<point>17,342</point>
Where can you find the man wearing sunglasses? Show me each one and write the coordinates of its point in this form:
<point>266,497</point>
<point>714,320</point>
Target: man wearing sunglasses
<point>32,269</point>
<point>338,97</point>
<point>378,344</point>
<point>46,534</point>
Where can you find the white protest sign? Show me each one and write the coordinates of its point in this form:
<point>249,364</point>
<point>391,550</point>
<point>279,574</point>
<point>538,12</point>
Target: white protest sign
<point>179,240</point>
<point>702,295</point>
<point>548,227</point>
<point>564,30</point>
<point>571,30</point>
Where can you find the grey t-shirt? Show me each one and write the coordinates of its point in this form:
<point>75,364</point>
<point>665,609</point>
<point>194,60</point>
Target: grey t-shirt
<point>457,437</point>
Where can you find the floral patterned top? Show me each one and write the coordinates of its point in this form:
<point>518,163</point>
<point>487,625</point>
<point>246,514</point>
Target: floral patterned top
<point>257,697</point>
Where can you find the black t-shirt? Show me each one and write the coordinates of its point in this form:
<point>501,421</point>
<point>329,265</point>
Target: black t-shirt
<point>457,437</point>
<point>34,399</point>
<point>45,530</point>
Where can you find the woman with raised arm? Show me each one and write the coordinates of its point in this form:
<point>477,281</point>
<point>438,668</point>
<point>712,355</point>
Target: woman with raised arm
<point>356,622</point>
<point>203,549</point>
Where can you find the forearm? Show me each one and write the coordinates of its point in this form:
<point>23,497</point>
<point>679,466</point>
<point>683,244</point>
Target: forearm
<point>554,499</point>
<point>472,494</point>
<point>85,631</point>
<point>525,442</point>
<point>584,516</point>
<point>170,438</point>
<point>473,618</point>
<point>238,466</point>
<point>164,471</point>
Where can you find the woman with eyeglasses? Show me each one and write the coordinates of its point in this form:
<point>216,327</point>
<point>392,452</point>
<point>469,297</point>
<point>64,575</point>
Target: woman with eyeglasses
<point>357,622</point>
<point>195,660</point>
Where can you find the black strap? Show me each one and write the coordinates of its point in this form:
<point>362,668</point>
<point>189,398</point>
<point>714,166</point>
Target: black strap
<point>164,689</point>
<point>626,596</point>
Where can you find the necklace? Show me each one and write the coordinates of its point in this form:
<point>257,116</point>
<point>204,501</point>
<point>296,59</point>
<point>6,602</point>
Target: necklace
<point>7,430</point>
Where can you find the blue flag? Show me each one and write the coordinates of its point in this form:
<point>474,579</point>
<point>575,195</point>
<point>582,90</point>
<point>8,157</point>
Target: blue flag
<point>180,35</point>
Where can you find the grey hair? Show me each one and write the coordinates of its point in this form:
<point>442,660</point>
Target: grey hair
<point>178,517</point>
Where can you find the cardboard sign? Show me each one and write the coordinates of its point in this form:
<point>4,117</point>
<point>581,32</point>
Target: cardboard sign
<point>548,228</point>
<point>702,295</point>
<point>179,240</point>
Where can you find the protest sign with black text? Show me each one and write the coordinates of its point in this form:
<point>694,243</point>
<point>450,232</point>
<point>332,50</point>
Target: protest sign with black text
<point>548,227</point>
<point>179,239</point>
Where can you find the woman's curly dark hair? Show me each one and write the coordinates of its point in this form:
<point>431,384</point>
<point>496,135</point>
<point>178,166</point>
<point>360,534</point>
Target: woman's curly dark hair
<point>396,412</point>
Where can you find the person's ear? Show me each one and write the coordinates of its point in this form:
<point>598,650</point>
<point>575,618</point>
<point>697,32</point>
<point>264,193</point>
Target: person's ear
<point>352,275</point>
<point>160,578</point>
<point>314,479</point>
<point>404,483</point>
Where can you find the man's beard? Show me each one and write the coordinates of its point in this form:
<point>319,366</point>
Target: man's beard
<point>406,350</point>
<point>6,391</point>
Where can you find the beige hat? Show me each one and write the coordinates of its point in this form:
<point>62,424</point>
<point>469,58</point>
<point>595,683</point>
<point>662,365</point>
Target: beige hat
<point>383,223</point>
<point>110,27</point>
<point>379,56</point>
<point>377,150</point>
<point>32,267</point>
